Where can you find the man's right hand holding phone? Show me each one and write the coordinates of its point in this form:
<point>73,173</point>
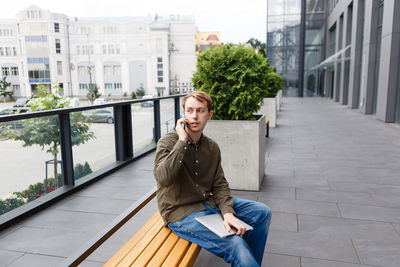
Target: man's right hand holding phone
<point>183,135</point>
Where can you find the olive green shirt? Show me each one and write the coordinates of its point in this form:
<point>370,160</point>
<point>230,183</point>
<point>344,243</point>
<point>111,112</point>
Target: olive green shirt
<point>189,175</point>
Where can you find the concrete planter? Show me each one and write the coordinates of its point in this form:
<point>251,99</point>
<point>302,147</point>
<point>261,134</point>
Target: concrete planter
<point>278,100</point>
<point>242,150</point>
<point>269,110</point>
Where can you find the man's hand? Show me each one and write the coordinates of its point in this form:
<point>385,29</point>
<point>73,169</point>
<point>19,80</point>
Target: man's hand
<point>183,135</point>
<point>231,221</point>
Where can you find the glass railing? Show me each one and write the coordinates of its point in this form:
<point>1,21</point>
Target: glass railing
<point>54,153</point>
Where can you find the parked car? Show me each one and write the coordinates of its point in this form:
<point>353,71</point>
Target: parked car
<point>100,115</point>
<point>99,101</point>
<point>148,104</point>
<point>21,105</point>
<point>6,112</point>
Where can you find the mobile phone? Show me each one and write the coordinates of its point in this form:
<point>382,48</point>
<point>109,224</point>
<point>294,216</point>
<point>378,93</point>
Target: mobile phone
<point>184,124</point>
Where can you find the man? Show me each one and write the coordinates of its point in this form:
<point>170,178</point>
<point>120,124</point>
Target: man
<point>191,184</point>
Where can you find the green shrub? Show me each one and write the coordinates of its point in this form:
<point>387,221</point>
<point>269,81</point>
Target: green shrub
<point>237,79</point>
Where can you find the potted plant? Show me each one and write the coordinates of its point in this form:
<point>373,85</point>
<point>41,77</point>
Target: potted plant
<point>236,78</point>
<point>271,102</point>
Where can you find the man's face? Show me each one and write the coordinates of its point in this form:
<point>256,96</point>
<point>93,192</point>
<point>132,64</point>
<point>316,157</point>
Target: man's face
<point>197,113</point>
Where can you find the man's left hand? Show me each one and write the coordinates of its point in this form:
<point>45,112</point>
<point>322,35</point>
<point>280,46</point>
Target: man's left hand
<point>230,221</point>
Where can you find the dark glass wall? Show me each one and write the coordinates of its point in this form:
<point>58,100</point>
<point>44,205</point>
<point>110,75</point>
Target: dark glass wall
<point>283,41</point>
<point>314,47</point>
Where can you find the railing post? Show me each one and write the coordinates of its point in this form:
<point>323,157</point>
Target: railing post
<point>177,108</point>
<point>66,149</point>
<point>157,120</point>
<point>123,132</point>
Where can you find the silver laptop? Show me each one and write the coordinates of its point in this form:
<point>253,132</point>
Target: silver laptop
<point>215,223</point>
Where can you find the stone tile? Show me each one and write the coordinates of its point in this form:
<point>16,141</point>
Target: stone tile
<point>301,207</point>
<point>347,227</point>
<point>321,245</point>
<point>349,187</point>
<point>291,182</point>
<point>381,253</point>
<point>373,213</point>
<point>308,262</point>
<point>44,241</point>
<point>88,263</point>
<point>334,196</point>
<point>397,227</point>
<point>33,260</point>
<point>277,192</point>
<point>69,220</point>
<point>97,205</point>
<point>284,222</point>
<point>207,259</point>
<point>274,260</point>
<point>7,257</point>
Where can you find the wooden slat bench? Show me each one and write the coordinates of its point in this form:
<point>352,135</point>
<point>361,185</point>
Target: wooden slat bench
<point>155,245</point>
<point>152,245</point>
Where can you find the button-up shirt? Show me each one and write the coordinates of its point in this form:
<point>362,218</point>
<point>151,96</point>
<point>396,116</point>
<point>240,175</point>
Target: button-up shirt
<point>189,175</point>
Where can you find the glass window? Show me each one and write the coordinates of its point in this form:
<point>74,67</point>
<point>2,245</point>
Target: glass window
<point>108,70</point>
<point>91,50</point>
<point>104,49</point>
<point>16,87</point>
<point>82,70</point>
<point>59,67</point>
<point>160,73</point>
<point>56,27</point>
<point>1,51</point>
<point>159,59</point>
<point>78,49</point>
<point>160,79</point>
<point>83,86</point>
<point>111,49</point>
<point>108,85</point>
<point>58,46</point>
<point>159,66</point>
<point>14,51</point>
<point>117,49</point>
<point>14,71</point>
<point>5,71</point>
<point>117,85</point>
<point>117,70</point>
<point>8,51</point>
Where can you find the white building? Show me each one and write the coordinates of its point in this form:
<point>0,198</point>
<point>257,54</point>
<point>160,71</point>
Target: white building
<point>120,55</point>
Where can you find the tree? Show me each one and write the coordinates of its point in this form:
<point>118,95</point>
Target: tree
<point>3,88</point>
<point>236,78</point>
<point>140,91</point>
<point>44,131</point>
<point>258,45</point>
<point>93,93</point>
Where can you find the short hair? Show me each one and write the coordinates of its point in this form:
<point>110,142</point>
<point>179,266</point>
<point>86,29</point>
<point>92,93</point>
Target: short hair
<point>200,96</point>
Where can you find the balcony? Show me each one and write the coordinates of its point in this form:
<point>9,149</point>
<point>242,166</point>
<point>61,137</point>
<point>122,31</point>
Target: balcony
<point>331,179</point>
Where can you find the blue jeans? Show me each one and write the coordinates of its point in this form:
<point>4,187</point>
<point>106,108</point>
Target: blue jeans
<point>239,251</point>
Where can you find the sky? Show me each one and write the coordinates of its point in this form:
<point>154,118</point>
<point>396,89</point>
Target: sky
<point>236,20</point>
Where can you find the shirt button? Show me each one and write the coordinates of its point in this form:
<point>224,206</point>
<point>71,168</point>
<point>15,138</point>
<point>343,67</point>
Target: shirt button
<point>189,142</point>
<point>204,195</point>
<point>180,161</point>
<point>197,161</point>
<point>195,173</point>
<point>197,185</point>
<point>184,148</point>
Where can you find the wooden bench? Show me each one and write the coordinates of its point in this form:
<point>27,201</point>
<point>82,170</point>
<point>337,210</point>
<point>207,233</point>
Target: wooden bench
<point>152,245</point>
<point>155,245</point>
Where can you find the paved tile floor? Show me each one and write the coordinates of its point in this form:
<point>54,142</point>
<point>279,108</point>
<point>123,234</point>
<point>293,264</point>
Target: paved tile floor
<point>332,180</point>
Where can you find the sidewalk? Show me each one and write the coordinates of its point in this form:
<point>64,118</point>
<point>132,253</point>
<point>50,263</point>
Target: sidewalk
<point>332,181</point>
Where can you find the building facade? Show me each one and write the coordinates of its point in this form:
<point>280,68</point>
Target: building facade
<point>120,55</point>
<point>205,40</point>
<point>349,50</point>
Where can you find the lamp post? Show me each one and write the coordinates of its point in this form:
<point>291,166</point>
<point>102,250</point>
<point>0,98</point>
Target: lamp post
<point>89,66</point>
